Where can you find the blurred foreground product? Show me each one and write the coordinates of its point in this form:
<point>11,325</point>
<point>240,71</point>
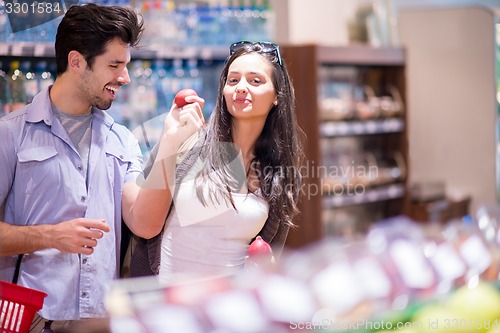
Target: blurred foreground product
<point>255,301</point>
<point>470,308</point>
<point>481,257</point>
<point>425,277</point>
<point>259,251</point>
<point>398,243</point>
<point>488,221</point>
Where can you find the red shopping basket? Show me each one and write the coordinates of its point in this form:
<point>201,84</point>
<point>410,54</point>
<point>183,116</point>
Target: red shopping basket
<point>18,306</point>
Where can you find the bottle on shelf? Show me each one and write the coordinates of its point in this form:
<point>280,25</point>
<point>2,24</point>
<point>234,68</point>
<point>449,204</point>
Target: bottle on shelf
<point>16,84</point>
<point>268,20</point>
<point>169,28</point>
<point>193,80</point>
<point>142,100</point>
<point>31,87</point>
<point>44,75</point>
<point>162,91</point>
<point>4,91</point>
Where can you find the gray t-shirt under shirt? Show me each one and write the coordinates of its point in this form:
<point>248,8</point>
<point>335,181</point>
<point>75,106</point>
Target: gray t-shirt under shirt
<point>79,128</point>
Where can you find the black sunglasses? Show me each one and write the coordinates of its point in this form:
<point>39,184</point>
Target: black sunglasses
<point>267,47</point>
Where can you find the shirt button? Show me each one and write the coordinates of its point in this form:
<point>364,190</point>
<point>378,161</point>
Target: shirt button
<point>82,198</point>
<point>84,260</point>
<point>121,157</point>
<point>80,167</point>
<point>84,294</point>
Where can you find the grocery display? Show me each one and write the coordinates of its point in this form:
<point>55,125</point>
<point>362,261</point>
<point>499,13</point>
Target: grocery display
<point>350,104</point>
<point>183,46</point>
<point>169,23</point>
<point>402,276</point>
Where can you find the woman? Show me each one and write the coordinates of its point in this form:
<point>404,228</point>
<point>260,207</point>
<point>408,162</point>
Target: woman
<point>237,176</point>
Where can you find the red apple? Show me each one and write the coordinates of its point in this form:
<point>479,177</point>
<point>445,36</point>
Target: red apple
<point>259,248</point>
<point>180,98</point>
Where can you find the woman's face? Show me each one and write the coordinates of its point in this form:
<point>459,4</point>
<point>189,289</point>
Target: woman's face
<point>249,91</point>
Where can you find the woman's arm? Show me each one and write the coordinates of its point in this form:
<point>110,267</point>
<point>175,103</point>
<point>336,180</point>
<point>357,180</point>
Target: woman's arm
<point>145,204</point>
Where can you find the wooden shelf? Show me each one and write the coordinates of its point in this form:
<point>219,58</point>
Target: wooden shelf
<point>358,55</point>
<point>24,49</point>
<point>369,195</point>
<point>360,127</point>
<point>378,68</point>
<point>46,50</point>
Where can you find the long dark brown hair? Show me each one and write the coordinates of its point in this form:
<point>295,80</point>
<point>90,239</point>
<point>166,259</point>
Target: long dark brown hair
<point>278,150</point>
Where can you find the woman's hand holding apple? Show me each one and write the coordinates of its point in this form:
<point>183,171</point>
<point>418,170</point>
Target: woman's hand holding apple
<point>185,117</point>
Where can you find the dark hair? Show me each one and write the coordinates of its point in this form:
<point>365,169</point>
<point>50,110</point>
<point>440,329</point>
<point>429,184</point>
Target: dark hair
<point>88,28</point>
<point>278,150</point>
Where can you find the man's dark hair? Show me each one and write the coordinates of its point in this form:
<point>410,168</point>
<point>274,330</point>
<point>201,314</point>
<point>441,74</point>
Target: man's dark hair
<point>88,28</point>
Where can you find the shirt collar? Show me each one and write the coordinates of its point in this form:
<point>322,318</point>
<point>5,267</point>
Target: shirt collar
<point>41,110</point>
<point>102,116</point>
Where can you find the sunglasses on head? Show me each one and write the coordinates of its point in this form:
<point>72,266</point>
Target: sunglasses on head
<point>267,47</point>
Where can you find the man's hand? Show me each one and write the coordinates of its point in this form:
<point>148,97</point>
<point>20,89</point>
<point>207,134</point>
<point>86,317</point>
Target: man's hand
<point>74,236</point>
<point>78,235</point>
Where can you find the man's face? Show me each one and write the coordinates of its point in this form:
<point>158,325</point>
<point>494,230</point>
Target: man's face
<point>108,73</point>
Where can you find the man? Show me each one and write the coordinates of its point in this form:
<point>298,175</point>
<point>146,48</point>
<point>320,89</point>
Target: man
<point>64,165</point>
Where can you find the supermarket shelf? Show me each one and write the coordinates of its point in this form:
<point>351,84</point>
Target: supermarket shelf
<point>364,195</point>
<point>198,52</point>
<point>24,49</point>
<point>361,55</point>
<point>365,127</point>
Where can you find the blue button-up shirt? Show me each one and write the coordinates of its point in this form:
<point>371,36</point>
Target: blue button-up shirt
<point>42,182</point>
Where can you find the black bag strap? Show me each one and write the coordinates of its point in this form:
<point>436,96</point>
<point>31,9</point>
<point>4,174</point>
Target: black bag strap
<point>18,268</point>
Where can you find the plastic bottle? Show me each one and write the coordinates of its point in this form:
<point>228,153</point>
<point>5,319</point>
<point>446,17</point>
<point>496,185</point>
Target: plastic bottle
<point>205,33</point>
<point>4,92</point>
<point>232,27</point>
<point>256,23</point>
<point>194,79</point>
<point>219,24</point>
<point>190,13</point>
<point>399,242</point>
<point>177,76</point>
<point>169,28</point>
<point>180,24</point>
<point>488,221</point>
<point>44,75</point>
<point>474,248</point>
<point>149,32</point>
<point>31,87</point>
<point>16,83</point>
<point>445,258</point>
<point>269,17</point>
<point>142,93</point>
<point>153,18</point>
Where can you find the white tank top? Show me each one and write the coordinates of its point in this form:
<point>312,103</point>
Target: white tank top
<point>204,242</point>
